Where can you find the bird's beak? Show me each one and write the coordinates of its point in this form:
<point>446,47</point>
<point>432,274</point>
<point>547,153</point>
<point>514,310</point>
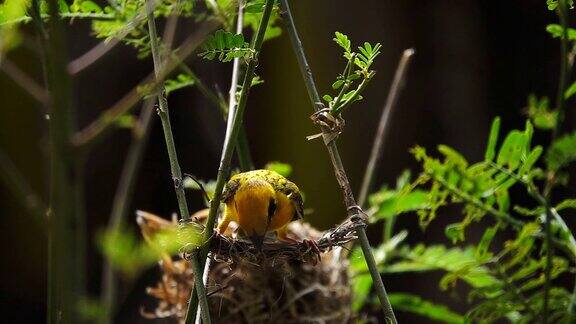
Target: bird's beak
<point>257,240</point>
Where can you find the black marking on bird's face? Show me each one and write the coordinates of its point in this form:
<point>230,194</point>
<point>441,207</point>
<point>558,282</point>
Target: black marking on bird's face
<point>271,208</point>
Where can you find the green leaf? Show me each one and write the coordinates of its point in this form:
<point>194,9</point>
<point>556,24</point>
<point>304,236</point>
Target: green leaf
<point>226,46</point>
<point>125,121</point>
<point>361,286</point>
<point>390,202</point>
<point>415,304</point>
<point>342,40</point>
<point>571,89</point>
<point>130,254</point>
<point>337,84</point>
<point>561,152</point>
<point>453,156</point>
<point>327,98</point>
<point>492,140</point>
<point>565,204</point>
<point>181,81</point>
<point>482,250</point>
<point>539,112</point>
<point>553,4</point>
<point>557,31</point>
<point>438,257</point>
<point>284,169</point>
<point>455,232</point>
<point>512,149</point>
<point>256,80</point>
<point>253,16</point>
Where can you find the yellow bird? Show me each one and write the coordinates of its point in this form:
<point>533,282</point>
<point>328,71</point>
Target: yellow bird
<point>261,201</point>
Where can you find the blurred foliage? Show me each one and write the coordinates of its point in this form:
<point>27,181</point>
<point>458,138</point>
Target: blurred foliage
<point>505,283</point>
<point>130,254</point>
<point>514,282</point>
<point>415,304</point>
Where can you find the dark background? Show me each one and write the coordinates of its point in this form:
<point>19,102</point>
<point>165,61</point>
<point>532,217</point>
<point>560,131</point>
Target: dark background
<point>474,60</point>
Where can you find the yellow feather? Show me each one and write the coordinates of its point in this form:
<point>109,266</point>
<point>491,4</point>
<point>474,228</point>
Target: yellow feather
<point>260,201</point>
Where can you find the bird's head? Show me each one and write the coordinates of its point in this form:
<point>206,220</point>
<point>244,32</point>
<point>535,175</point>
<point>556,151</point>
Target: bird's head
<point>255,205</point>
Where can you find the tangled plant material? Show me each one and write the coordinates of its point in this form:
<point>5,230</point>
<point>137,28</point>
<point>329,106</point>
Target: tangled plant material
<point>284,282</point>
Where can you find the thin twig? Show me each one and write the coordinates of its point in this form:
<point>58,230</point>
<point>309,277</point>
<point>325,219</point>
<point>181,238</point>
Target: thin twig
<point>242,148</point>
<point>380,138</point>
<point>353,210</point>
<point>229,143</point>
<point>503,216</point>
<point>125,189</point>
<point>171,148</point>
<point>98,51</point>
<point>24,81</point>
<point>14,181</point>
<point>103,124</point>
<point>201,288</point>
<point>92,55</point>
<point>165,115</point>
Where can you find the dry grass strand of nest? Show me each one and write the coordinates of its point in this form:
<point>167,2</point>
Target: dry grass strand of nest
<point>279,283</point>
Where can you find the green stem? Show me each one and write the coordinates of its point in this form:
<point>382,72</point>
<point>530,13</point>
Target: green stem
<point>165,115</point>
<point>374,273</point>
<point>478,204</point>
<point>549,255</point>
<point>347,71</point>
<point>242,147</point>
<point>338,110</point>
<point>389,228</point>
<point>126,184</point>
<point>165,118</point>
<point>229,143</point>
<point>199,285</point>
<point>66,234</point>
<point>340,172</point>
<point>562,14</point>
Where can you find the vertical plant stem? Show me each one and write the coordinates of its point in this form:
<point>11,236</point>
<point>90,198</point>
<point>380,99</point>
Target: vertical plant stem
<point>228,148</point>
<point>549,256</point>
<point>556,131</point>
<point>562,14</point>
<point>165,116</point>
<point>125,189</point>
<point>174,165</point>
<point>341,177</point>
<point>201,288</point>
<point>380,138</point>
<point>66,233</point>
<point>242,147</point>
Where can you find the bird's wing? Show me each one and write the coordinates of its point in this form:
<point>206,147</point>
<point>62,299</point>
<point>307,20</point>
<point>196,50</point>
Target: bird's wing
<point>293,193</point>
<point>230,189</point>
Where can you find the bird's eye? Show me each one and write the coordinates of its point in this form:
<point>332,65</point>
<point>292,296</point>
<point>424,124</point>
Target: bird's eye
<point>271,208</point>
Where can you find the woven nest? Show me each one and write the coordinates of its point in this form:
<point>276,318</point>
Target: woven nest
<point>284,282</point>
